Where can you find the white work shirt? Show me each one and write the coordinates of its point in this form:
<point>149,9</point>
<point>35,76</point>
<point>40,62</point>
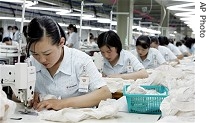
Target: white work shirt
<point>166,52</point>
<point>74,39</point>
<point>65,82</point>
<point>174,49</point>
<point>183,49</point>
<point>149,62</point>
<point>125,59</point>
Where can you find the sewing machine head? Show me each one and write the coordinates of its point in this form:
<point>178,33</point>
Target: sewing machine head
<point>21,78</point>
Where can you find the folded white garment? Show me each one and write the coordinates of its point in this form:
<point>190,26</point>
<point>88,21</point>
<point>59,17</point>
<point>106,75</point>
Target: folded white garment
<point>106,109</point>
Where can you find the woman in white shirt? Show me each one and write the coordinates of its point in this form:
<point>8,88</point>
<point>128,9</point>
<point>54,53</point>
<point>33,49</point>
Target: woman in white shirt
<point>67,73</point>
<point>73,39</point>
<point>118,63</point>
<point>149,57</point>
<point>183,48</point>
<point>166,52</point>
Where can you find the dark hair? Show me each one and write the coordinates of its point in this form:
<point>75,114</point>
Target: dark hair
<point>15,27</point>
<point>25,31</point>
<point>189,42</point>
<point>44,25</point>
<point>178,43</point>
<point>110,39</point>
<point>91,36</point>
<point>72,26</point>
<point>163,40</point>
<point>8,27</point>
<point>143,41</point>
<point>6,39</point>
<point>154,39</point>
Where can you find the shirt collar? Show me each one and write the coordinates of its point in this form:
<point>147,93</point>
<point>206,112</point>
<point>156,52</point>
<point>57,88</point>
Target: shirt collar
<point>66,62</point>
<point>120,60</point>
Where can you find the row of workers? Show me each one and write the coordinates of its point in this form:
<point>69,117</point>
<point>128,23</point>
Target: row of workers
<point>71,75</point>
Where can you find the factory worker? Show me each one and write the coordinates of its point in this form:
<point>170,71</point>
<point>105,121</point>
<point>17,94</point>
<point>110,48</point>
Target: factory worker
<point>67,73</point>
<point>149,57</point>
<point>118,63</point>
<point>166,52</point>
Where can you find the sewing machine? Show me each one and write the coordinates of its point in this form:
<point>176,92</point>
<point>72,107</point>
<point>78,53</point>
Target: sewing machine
<point>21,78</point>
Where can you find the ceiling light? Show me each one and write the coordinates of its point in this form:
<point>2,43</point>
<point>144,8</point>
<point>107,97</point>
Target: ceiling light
<point>75,14</point>
<point>49,9</point>
<point>20,19</point>
<point>93,4</point>
<point>7,18</point>
<point>13,1</point>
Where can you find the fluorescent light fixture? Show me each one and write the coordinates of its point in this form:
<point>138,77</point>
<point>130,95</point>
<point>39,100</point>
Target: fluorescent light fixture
<point>114,22</point>
<point>50,3</point>
<point>13,1</point>
<point>172,35</point>
<point>93,4</point>
<point>95,28</point>
<point>88,18</point>
<point>7,18</point>
<point>86,27</point>
<point>104,30</point>
<point>20,20</point>
<point>104,20</point>
<point>120,13</point>
<point>75,14</point>
<point>49,9</point>
<point>28,3</point>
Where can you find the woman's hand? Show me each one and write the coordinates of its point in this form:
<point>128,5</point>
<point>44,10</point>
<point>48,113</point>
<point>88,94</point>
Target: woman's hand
<point>55,104</point>
<point>34,102</point>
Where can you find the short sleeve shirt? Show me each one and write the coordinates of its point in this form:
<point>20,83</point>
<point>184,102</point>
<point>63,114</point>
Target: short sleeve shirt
<point>166,51</point>
<point>74,39</point>
<point>149,62</point>
<point>174,49</point>
<point>65,82</point>
<point>126,59</point>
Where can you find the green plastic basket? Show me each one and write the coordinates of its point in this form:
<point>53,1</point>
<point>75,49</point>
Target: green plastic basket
<point>145,104</point>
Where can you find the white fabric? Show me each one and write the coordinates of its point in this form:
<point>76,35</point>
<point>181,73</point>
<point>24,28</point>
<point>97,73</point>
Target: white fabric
<point>180,82</point>
<point>65,82</point>
<point>151,56</point>
<point>106,109</point>
<point>74,39</point>
<point>4,101</point>
<point>117,84</point>
<point>126,57</point>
